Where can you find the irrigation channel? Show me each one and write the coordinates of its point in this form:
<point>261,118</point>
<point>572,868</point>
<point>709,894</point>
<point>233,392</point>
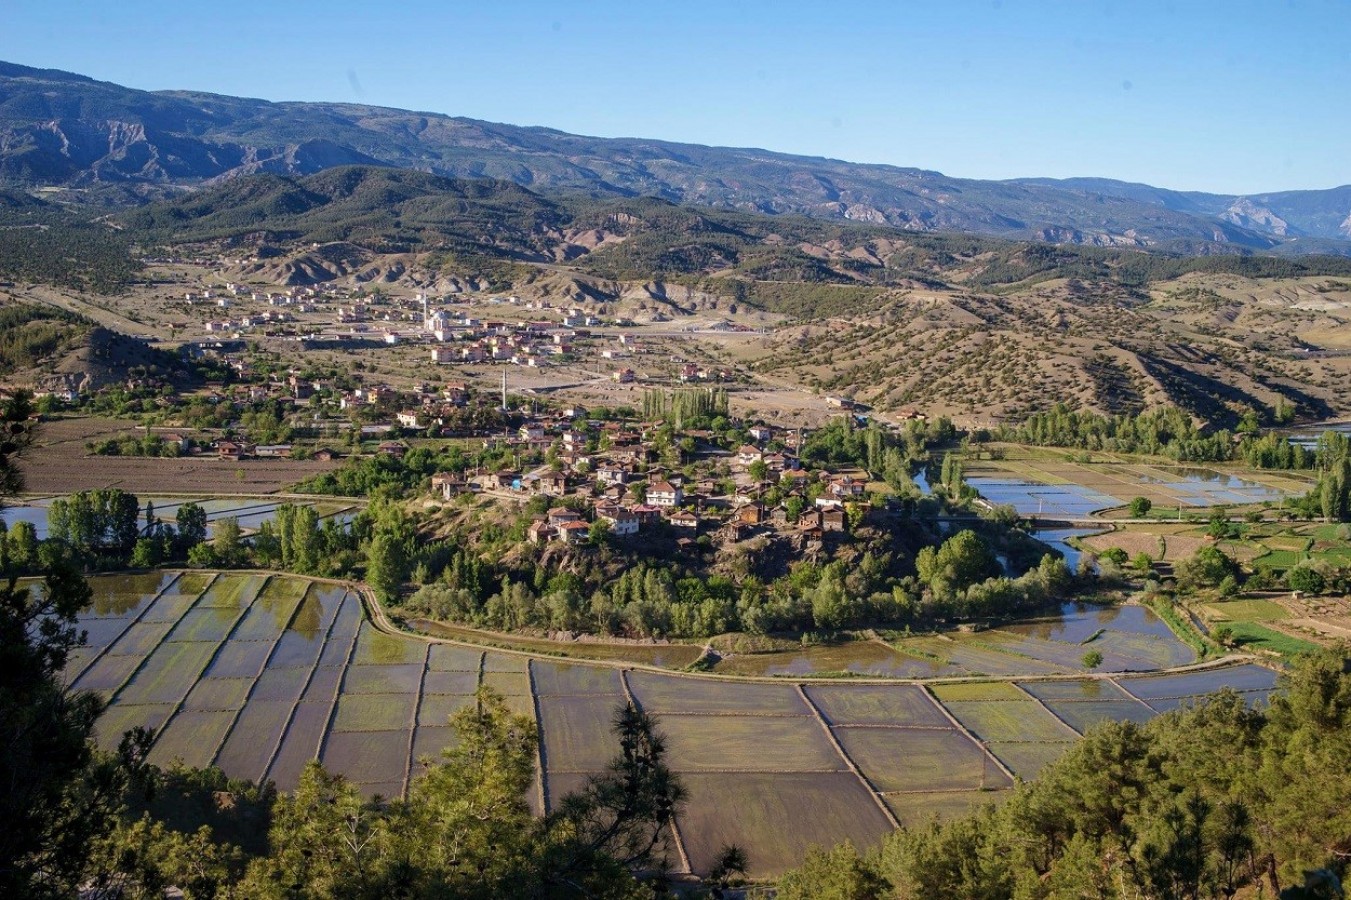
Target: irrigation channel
<point>258,673</point>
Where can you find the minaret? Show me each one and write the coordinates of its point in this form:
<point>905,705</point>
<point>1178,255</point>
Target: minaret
<point>504,391</point>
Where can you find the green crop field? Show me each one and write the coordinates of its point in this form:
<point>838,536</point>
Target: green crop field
<point>916,810</point>
<point>753,744</point>
<point>1084,714</point>
<point>1254,636</point>
<point>920,759</point>
<point>1009,720</point>
<point>565,679</point>
<point>1240,678</point>
<point>1026,760</point>
<point>575,739</point>
<point>261,675</point>
<point>374,712</point>
<point>876,705</point>
<point>218,693</point>
<point>406,678</point>
<point>751,810</point>
<point>977,690</point>
<point>1089,689</point>
<point>666,695</point>
<point>192,736</point>
<point>1252,610</point>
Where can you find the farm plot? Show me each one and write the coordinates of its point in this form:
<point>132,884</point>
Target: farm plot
<point>218,693</point>
<point>240,659</point>
<point>269,615</point>
<point>191,736</point>
<point>976,690</point>
<point>975,658</point>
<point>108,674</point>
<point>361,679</point>
<point>1009,720</point>
<point>232,591</point>
<point>564,679</point>
<point>856,657</point>
<point>776,816</point>
<point>122,596</point>
<point>1082,715</point>
<point>920,759</point>
<point>254,738</point>
<point>670,696</point>
<point>376,760</point>
<point>876,705</point>
<point>375,648</point>
<point>1188,684</point>
<point>508,684</point>
<point>300,743</point>
<point>1099,689</point>
<point>168,673</point>
<point>374,712</point>
<point>120,718</point>
<point>575,735</point>
<point>434,682</point>
<point>1026,760</point>
<point>435,710</point>
<point>757,744</point>
<point>916,810</point>
<point>449,658</point>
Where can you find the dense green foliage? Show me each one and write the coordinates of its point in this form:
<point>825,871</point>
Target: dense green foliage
<point>31,334</point>
<point>83,257</point>
<point>1204,802</point>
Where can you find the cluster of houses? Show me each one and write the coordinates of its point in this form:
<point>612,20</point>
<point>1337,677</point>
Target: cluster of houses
<point>668,503</point>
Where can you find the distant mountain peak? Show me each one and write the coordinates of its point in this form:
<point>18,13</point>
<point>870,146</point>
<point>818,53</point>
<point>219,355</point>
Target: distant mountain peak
<point>58,128</point>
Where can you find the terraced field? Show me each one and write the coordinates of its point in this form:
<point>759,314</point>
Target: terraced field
<point>260,674</point>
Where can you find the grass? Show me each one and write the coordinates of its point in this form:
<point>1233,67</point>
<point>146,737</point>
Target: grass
<point>1259,637</point>
<point>1278,559</point>
<point>1013,720</point>
<point>914,759</point>
<point>876,705</point>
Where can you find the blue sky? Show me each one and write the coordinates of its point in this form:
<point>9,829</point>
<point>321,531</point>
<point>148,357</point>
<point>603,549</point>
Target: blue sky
<point>1234,96</point>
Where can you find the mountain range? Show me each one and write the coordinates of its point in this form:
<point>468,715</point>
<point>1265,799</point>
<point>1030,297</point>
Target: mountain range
<point>120,145</point>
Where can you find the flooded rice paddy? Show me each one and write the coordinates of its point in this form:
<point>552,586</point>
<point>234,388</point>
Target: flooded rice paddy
<point>250,513</point>
<point>260,674</point>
